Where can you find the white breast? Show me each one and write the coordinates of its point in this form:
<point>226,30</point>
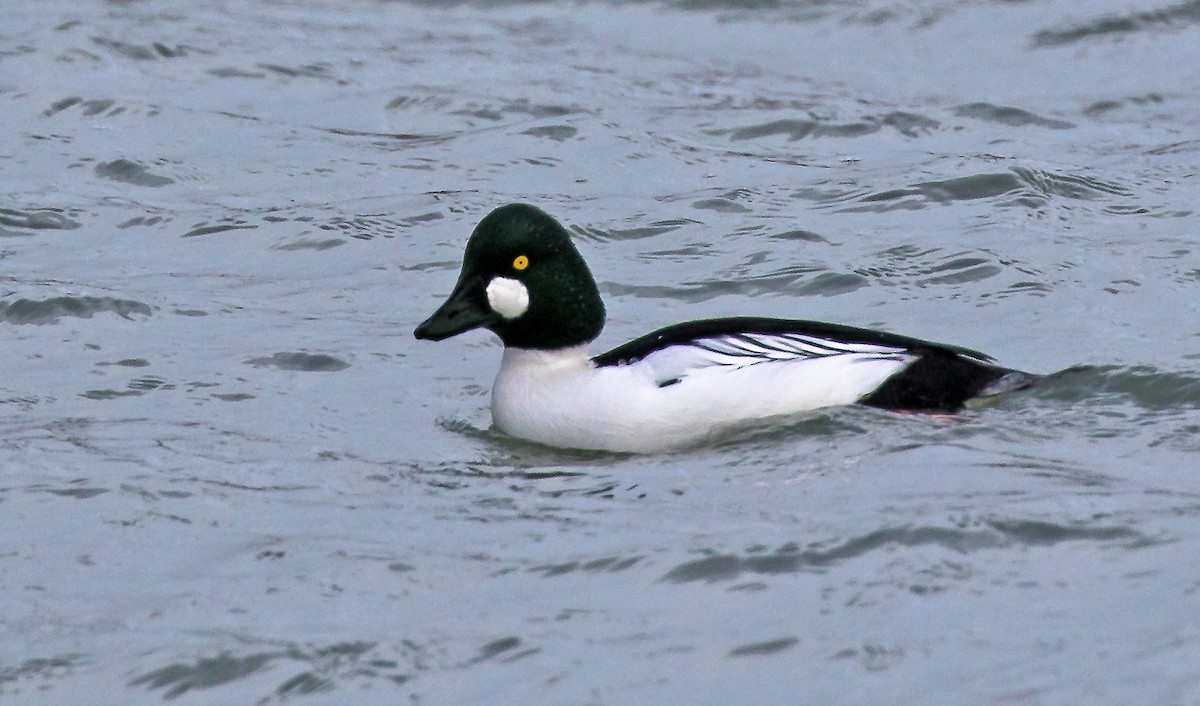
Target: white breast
<point>559,398</point>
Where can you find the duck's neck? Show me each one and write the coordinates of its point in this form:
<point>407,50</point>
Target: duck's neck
<point>560,358</point>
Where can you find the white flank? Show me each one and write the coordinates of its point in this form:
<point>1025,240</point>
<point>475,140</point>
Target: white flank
<point>558,398</point>
<point>507,297</point>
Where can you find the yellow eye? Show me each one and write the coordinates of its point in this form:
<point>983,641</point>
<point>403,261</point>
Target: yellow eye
<point>521,262</point>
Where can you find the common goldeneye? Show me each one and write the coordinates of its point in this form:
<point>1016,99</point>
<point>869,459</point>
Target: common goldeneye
<point>523,279</point>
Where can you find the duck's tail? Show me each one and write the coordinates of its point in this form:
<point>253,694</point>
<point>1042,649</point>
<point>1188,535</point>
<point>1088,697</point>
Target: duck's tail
<point>943,380</point>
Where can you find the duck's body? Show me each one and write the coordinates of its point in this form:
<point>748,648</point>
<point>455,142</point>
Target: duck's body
<point>562,398</point>
<point>680,385</point>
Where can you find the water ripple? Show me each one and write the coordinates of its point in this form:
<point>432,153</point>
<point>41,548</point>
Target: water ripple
<point>617,234</point>
<point>1030,188</point>
<point>320,70</point>
<point>42,669</point>
<point>1007,115</point>
<point>35,219</point>
<point>1178,15</point>
<point>1147,387</point>
<point>318,669</point>
<point>522,107</point>
<point>138,52</point>
<point>925,267</point>
<point>907,124</point>
<point>130,172</point>
<point>304,362</point>
<point>768,647</point>
<point>610,564</point>
<point>989,534</point>
<point>49,311</point>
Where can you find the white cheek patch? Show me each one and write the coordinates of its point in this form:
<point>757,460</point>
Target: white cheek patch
<point>507,297</point>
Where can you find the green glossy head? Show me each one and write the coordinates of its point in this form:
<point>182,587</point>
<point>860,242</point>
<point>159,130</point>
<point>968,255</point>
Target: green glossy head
<point>523,279</point>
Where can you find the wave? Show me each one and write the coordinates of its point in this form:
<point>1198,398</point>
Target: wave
<point>49,311</point>
<point>988,534</point>
<point>1179,15</point>
<point>1144,386</point>
<point>1021,186</point>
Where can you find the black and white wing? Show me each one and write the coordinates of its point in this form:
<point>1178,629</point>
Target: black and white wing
<point>936,377</point>
<point>751,348</point>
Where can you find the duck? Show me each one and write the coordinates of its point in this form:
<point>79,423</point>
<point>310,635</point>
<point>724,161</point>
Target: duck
<point>523,279</point>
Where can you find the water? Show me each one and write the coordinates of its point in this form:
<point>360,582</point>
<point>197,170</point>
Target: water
<point>228,474</point>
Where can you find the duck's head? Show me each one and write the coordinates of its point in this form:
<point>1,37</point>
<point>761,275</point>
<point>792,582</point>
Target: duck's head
<point>523,279</point>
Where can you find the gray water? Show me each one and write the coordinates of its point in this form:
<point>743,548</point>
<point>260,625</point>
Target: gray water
<point>229,475</point>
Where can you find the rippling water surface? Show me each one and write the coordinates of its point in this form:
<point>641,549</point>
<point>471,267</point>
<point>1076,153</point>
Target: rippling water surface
<point>228,474</point>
